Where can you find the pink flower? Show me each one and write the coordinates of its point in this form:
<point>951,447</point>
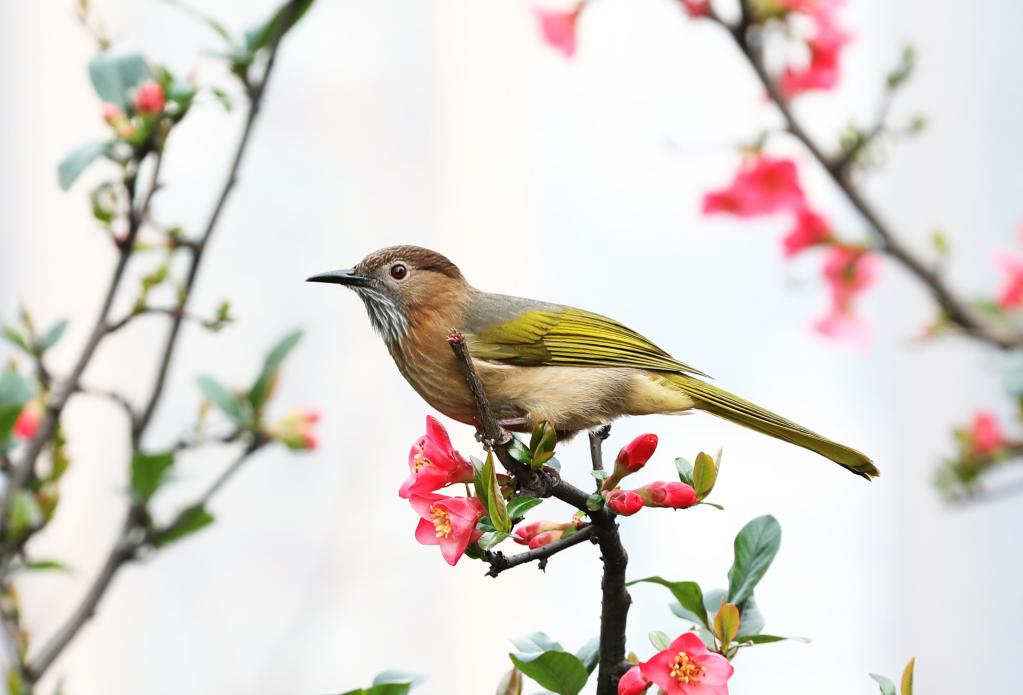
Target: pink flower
<point>29,419</point>
<point>810,229</point>
<point>545,538</point>
<point>112,113</point>
<point>624,502</point>
<point>149,99</point>
<point>558,28</point>
<point>1011,295</point>
<point>434,462</point>
<point>985,434</point>
<point>848,271</point>
<point>763,186</point>
<point>449,522</point>
<point>676,495</point>
<point>687,667</point>
<point>295,430</point>
<point>633,682</point>
<point>635,454</point>
<point>524,535</point>
<point>823,69</point>
<point>696,8</point>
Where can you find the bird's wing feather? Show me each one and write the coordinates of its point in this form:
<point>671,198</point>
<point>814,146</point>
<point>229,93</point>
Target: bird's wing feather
<point>521,332</point>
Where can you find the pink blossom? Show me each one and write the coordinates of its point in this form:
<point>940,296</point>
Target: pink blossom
<point>696,8</point>
<point>449,522</point>
<point>434,463</point>
<point>112,113</point>
<point>676,495</point>
<point>764,185</point>
<point>545,538</point>
<point>29,419</point>
<point>633,682</point>
<point>149,99</point>
<point>823,69</point>
<point>295,430</point>
<point>986,434</point>
<point>809,229</point>
<point>559,28</point>
<point>1011,295</point>
<point>624,502</point>
<point>687,667</point>
<point>848,271</point>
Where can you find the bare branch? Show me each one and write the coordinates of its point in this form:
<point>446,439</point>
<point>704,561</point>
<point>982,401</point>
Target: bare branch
<point>499,562</point>
<point>172,312</point>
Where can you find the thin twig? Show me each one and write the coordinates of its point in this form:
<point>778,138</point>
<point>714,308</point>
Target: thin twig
<point>499,562</point>
<point>172,312</point>
<point>747,38</point>
<point>114,397</point>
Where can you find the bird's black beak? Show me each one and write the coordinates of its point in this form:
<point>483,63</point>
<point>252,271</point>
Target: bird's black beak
<point>341,277</point>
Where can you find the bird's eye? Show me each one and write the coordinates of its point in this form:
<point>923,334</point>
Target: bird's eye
<point>399,271</point>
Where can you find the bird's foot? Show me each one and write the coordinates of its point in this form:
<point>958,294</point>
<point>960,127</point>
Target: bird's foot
<point>514,422</point>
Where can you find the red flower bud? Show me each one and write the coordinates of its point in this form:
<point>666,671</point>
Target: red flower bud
<point>149,100</point>
<point>27,424</point>
<point>524,535</point>
<point>674,494</point>
<point>624,502</point>
<point>635,454</point>
<point>633,682</point>
<point>112,113</point>
<point>545,538</point>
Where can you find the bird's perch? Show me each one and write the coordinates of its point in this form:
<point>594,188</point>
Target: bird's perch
<point>615,599</point>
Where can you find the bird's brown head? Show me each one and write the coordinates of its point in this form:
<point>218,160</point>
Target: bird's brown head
<point>400,283</point>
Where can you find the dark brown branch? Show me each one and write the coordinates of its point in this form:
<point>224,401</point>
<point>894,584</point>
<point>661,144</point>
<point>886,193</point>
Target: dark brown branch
<point>747,38</point>
<point>499,562</point>
<point>597,438</point>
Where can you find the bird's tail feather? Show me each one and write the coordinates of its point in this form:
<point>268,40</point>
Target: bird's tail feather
<point>730,407</point>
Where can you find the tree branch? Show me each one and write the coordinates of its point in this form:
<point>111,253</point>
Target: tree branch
<point>499,562</point>
<point>747,38</point>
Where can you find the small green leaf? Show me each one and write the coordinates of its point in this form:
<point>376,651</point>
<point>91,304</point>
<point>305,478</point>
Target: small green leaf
<point>659,640</point>
<point>535,643</point>
<point>392,677</point>
<point>260,391</point>
<point>481,485</point>
<point>907,678</point>
<point>558,671</point>
<point>25,513</point>
<point>688,594</point>
<point>518,507</point>
<point>519,451</point>
<point>53,335</point>
<point>78,160</point>
<point>751,620</point>
<point>148,472</point>
<point>887,687</point>
<point>282,21</point>
<point>115,76</point>
<point>213,24</point>
<point>14,337</point>
<point>595,502</point>
<point>685,471</point>
<point>491,539</point>
<point>589,654</point>
<point>46,566</point>
<point>755,547</point>
<point>496,507</point>
<point>223,399</point>
<point>726,623</point>
<point>705,474</point>
<point>767,639</point>
<point>188,521</point>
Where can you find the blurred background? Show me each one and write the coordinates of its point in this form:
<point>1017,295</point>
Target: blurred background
<point>450,124</point>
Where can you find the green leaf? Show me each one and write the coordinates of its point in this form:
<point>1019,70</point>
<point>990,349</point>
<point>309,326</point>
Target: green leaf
<point>260,391</point>
<point>224,400</point>
<point>887,687</point>
<point>688,594</point>
<point>659,640</point>
<point>518,507</point>
<point>685,471</point>
<point>213,24</point>
<point>558,671</point>
<point>46,566</point>
<point>25,513</point>
<point>78,160</point>
<point>53,335</point>
<point>188,521</point>
<point>751,620</point>
<point>14,337</point>
<point>497,510</point>
<point>726,623</point>
<point>282,21</point>
<point>392,677</point>
<point>907,678</point>
<point>115,76</point>
<point>491,539</point>
<point>519,451</point>
<point>481,486</point>
<point>147,473</point>
<point>755,547</point>
<point>535,643</point>
<point>705,474</point>
<point>15,392</point>
<point>595,502</point>
<point>589,654</point>
<point>767,639</point>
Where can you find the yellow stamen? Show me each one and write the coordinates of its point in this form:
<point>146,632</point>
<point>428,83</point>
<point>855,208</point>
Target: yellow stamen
<point>685,670</point>
<point>441,522</point>
<point>419,462</point>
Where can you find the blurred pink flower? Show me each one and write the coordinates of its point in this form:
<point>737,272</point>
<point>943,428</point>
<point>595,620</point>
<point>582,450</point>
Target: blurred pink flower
<point>763,185</point>
<point>823,69</point>
<point>449,522</point>
<point>29,419</point>
<point>1011,295</point>
<point>558,28</point>
<point>676,495</point>
<point>434,463</point>
<point>696,8</point>
<point>687,667</point>
<point>624,502</point>
<point>985,434</point>
<point>809,229</point>
<point>848,271</point>
<point>149,99</point>
<point>295,430</point>
<point>633,682</point>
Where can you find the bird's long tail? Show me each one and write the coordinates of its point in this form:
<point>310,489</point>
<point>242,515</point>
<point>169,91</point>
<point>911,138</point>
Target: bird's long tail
<point>730,407</point>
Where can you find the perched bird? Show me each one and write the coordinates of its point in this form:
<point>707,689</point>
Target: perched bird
<point>539,361</point>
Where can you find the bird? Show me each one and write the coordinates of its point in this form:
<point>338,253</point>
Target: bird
<point>540,362</point>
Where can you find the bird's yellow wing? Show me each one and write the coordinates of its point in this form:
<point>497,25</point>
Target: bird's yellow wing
<point>555,335</point>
